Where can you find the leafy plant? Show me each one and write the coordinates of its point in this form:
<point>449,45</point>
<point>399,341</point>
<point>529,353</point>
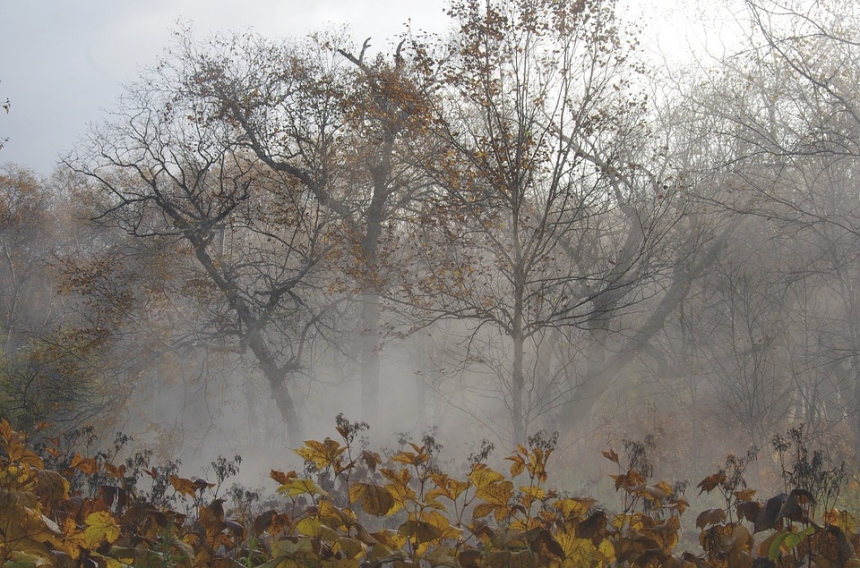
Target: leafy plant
<point>405,511</point>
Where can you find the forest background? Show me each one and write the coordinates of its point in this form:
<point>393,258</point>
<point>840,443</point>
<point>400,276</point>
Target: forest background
<point>529,222</point>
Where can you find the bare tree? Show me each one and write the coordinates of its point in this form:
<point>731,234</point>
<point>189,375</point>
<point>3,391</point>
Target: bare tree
<point>548,215</point>
<point>343,125</point>
<point>254,238</point>
<point>786,105</point>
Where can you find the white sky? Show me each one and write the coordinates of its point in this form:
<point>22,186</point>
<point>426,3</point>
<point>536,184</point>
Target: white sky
<point>62,62</point>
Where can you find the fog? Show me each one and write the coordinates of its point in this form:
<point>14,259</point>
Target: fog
<point>476,235</point>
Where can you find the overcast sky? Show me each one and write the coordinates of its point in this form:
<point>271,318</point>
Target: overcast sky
<point>63,62</point>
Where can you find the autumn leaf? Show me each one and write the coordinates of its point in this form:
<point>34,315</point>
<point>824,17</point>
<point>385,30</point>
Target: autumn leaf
<point>270,521</point>
<point>321,454</point>
<point>350,547</point>
<point>101,527</point>
<point>52,488</point>
<point>611,455</point>
<point>370,459</point>
<point>574,507</point>
<point>296,487</point>
<point>183,486</point>
<point>281,477</point>
<point>594,525</point>
<point>375,500</point>
<point>745,495</point>
<point>518,465</point>
<point>484,476</point>
<point>711,482</point>
<point>496,493</point>
<point>211,518</point>
<point>710,517</point>
<point>420,531</point>
<point>87,466</point>
<point>446,487</point>
<point>749,510</point>
<point>481,510</point>
<point>114,471</point>
<point>469,558</point>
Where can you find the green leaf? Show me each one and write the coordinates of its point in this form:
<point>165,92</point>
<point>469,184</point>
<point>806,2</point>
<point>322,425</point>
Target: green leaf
<point>790,540</point>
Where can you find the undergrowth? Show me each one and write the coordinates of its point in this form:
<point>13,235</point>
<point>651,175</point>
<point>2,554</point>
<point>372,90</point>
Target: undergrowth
<point>354,508</point>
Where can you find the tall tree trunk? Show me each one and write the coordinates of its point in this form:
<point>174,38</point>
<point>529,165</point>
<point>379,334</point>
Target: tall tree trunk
<point>275,374</point>
<point>518,418</point>
<point>284,401</point>
<point>370,338</point>
<point>277,379</point>
<point>370,345</point>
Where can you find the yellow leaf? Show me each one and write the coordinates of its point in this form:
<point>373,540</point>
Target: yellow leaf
<point>350,547</point>
<point>53,488</point>
<point>518,465</point>
<point>321,454</point>
<point>535,492</point>
<point>574,507</point>
<point>287,547</point>
<point>101,527</point>
<point>402,494</point>
<point>183,486</point>
<point>420,531</point>
<point>485,476</point>
<point>442,523</point>
<point>482,510</point>
<point>446,487</point>
<point>497,493</point>
<point>607,550</point>
<point>297,487</point>
<point>375,500</point>
<point>309,527</point>
<point>333,516</point>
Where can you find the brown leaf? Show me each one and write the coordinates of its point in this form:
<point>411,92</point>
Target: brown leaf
<point>745,495</point>
<point>87,466</point>
<point>469,558</point>
<point>375,500</point>
<point>114,471</point>
<point>370,459</point>
<point>710,517</point>
<point>545,544</point>
<point>183,486</point>
<point>211,517</point>
<point>711,482</point>
<point>593,526</point>
<point>768,516</point>
<point>420,531</point>
<point>749,510</point>
<point>270,521</point>
<point>281,477</point>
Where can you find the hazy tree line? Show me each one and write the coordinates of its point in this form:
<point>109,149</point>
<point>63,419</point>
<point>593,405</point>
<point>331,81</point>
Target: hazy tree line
<point>524,224</point>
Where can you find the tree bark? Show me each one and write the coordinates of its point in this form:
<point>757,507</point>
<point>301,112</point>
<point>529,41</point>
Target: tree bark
<point>370,345</point>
